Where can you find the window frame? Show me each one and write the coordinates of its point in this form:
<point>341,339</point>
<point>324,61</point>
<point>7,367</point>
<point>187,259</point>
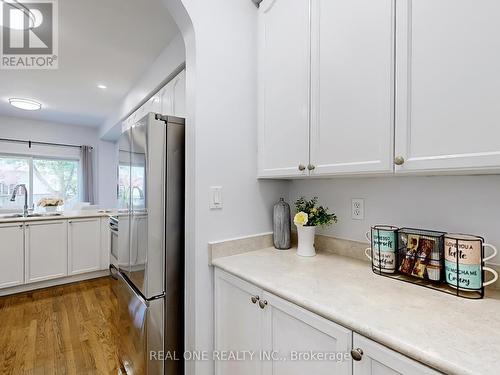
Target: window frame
<point>30,158</point>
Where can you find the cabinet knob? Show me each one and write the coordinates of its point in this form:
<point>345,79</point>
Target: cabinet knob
<point>399,160</point>
<point>311,167</point>
<point>262,304</point>
<point>302,167</point>
<point>254,299</point>
<point>357,354</point>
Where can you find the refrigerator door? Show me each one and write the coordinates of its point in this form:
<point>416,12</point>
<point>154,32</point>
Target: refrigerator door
<point>139,206</point>
<point>132,322</point>
<point>123,195</point>
<point>147,222</point>
<point>140,330</point>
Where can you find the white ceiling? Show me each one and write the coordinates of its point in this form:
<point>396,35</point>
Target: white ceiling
<point>100,41</point>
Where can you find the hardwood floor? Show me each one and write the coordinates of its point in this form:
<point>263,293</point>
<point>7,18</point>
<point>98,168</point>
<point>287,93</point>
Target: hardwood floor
<point>66,329</point>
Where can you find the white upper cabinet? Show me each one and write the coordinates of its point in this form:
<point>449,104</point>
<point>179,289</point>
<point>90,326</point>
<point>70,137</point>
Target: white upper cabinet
<point>284,69</point>
<point>448,80</point>
<point>84,250</point>
<point>352,86</point>
<point>46,246</point>
<point>11,254</point>
<point>179,91</point>
<point>173,96</point>
<point>364,86</point>
<point>167,98</point>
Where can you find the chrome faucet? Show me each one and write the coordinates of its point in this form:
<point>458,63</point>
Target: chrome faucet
<point>13,197</point>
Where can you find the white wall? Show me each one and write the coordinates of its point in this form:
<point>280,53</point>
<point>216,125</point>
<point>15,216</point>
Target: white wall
<point>467,204</point>
<point>221,88</point>
<point>20,128</point>
<point>159,73</point>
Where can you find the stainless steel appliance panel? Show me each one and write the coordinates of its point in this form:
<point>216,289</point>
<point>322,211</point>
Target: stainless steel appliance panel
<point>132,328</point>
<point>123,195</point>
<point>174,237</point>
<point>139,174</point>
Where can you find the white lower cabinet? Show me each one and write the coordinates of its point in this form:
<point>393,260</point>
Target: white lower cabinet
<point>286,339</point>
<point>46,249</point>
<point>11,254</point>
<point>239,324</point>
<point>294,334</point>
<point>376,359</point>
<point>84,245</point>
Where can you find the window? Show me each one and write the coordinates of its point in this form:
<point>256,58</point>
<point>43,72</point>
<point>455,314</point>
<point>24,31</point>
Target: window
<point>13,171</point>
<point>55,179</point>
<point>44,178</point>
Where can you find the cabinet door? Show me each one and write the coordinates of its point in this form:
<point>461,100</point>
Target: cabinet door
<point>238,324</point>
<point>46,250</point>
<point>179,95</point>
<point>293,333</point>
<point>167,99</point>
<point>379,360</point>
<point>448,58</point>
<point>284,68</point>
<point>11,255</point>
<point>84,253</point>
<point>153,104</point>
<point>352,81</point>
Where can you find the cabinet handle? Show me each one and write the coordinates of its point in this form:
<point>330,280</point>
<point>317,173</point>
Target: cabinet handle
<point>399,160</point>
<point>302,167</point>
<point>262,304</point>
<point>254,299</point>
<point>357,354</point>
<point>311,167</point>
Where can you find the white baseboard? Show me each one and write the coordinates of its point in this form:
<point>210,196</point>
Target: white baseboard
<point>53,282</point>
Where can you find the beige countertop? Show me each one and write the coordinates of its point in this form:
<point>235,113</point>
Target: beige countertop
<point>64,215</point>
<point>451,334</point>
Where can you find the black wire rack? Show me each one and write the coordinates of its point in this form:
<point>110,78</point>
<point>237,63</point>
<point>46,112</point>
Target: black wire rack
<point>419,257</point>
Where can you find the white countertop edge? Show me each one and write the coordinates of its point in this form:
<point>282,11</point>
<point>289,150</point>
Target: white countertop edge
<point>417,353</point>
<point>63,216</point>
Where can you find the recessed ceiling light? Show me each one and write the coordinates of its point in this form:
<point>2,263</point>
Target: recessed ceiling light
<point>26,104</point>
<point>103,87</point>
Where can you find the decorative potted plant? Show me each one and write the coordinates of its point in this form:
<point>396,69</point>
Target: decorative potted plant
<point>308,217</point>
<point>50,204</point>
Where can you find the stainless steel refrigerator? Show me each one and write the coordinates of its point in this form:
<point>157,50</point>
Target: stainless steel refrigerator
<point>150,272</point>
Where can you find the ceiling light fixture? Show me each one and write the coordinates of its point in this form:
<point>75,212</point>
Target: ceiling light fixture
<point>26,104</point>
<point>102,87</point>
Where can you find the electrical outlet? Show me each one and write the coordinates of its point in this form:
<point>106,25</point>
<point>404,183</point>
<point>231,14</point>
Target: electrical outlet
<point>358,208</point>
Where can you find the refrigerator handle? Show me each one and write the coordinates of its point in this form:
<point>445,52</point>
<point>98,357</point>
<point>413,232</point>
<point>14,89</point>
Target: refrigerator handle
<point>159,296</point>
<point>137,294</point>
<point>144,300</point>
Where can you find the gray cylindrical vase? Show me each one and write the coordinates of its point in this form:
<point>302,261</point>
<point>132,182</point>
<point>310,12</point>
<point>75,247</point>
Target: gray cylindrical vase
<point>282,225</point>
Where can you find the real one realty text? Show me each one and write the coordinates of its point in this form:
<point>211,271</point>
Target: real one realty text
<point>249,355</point>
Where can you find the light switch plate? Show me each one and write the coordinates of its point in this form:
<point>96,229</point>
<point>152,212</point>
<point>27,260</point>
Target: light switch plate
<point>358,208</point>
<point>215,198</point>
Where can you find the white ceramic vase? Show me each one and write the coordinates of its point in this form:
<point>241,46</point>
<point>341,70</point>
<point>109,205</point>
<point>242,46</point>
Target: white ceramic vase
<point>305,246</point>
<point>50,208</point>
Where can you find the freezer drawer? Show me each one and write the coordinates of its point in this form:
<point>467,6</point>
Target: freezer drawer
<point>140,330</point>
